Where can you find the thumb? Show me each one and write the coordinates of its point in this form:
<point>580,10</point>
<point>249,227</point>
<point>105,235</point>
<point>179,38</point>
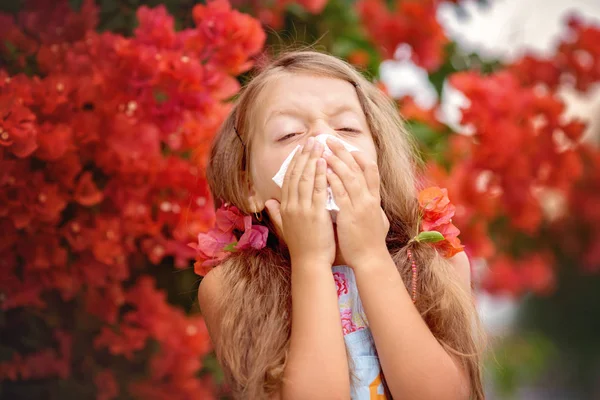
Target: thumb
<point>272,207</point>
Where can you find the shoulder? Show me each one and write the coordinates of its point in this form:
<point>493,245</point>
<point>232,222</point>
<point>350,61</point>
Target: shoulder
<point>462,267</point>
<point>210,284</point>
<point>209,294</point>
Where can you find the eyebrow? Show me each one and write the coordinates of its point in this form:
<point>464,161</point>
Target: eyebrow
<point>297,113</point>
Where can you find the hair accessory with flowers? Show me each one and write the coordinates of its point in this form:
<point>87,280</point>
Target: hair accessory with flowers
<point>222,239</point>
<point>435,222</point>
<point>435,227</point>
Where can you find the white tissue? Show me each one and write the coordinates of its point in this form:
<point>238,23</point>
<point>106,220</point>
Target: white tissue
<point>330,205</point>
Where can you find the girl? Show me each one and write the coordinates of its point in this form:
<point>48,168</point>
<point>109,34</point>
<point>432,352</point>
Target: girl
<point>322,311</point>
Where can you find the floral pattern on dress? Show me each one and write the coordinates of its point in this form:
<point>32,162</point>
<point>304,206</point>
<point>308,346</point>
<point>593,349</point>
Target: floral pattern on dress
<point>351,312</point>
<point>341,283</point>
<point>348,325</point>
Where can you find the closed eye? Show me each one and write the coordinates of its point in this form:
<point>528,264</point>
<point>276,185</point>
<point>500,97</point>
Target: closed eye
<point>349,130</point>
<point>289,135</point>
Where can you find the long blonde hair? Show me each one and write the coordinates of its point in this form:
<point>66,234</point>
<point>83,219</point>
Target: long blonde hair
<point>255,308</point>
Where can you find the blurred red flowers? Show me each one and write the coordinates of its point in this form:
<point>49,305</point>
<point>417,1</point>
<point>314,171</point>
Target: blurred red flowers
<point>412,23</point>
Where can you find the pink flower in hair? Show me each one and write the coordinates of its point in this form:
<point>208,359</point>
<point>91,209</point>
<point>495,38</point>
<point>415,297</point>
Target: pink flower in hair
<point>220,241</point>
<point>255,236</point>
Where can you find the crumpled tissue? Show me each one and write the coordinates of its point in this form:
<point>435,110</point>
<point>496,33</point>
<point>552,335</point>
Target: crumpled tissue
<point>330,205</point>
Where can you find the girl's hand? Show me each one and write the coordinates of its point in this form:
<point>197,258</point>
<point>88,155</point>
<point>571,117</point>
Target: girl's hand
<point>361,223</point>
<point>301,218</point>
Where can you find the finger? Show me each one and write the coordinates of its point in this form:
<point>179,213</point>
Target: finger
<point>285,187</point>
<point>272,207</point>
<point>353,181</point>
<point>370,171</point>
<point>340,195</point>
<point>346,156</point>
<point>307,178</point>
<point>296,172</point>
<point>320,186</point>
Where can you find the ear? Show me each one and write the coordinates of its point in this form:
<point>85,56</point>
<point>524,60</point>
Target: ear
<point>255,203</point>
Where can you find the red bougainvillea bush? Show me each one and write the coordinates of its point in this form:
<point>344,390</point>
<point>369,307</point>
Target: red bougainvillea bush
<point>97,180</point>
<point>103,139</point>
<point>524,175</point>
<point>521,177</point>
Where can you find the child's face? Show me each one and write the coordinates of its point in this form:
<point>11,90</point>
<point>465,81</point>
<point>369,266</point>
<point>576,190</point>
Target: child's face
<point>292,108</point>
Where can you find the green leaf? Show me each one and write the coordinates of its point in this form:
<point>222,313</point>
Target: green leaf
<point>230,247</point>
<point>430,237</point>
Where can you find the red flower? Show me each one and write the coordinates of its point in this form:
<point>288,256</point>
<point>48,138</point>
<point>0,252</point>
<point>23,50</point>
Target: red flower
<point>412,22</point>
<point>107,385</point>
<point>230,36</point>
<point>503,277</point>
<point>106,302</point>
<point>522,143</point>
<point>126,342</point>
<point>42,364</point>
<point>437,213</point>
<point>313,6</point>
<point>155,27</point>
<point>576,60</point>
<point>359,58</point>
<point>18,131</point>
<point>412,111</point>
<point>54,141</point>
<point>515,277</point>
<point>86,191</point>
<point>98,179</point>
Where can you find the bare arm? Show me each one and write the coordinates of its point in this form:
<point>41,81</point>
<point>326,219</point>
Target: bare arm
<point>317,367</point>
<point>415,363</point>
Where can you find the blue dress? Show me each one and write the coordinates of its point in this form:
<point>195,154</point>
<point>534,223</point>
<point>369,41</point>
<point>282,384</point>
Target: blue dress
<point>368,383</point>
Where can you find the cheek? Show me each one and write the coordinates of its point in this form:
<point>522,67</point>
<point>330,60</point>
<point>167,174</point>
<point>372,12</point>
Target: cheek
<point>263,171</point>
<point>369,148</point>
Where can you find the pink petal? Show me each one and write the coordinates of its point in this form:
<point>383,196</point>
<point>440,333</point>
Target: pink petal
<point>255,237</point>
<point>211,243</point>
<point>247,223</point>
<point>228,219</point>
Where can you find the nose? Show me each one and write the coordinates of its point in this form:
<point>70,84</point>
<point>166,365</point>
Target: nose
<point>321,127</point>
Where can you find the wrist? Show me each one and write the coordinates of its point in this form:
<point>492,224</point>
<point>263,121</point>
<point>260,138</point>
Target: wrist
<point>370,257</point>
<point>310,263</point>
<point>373,261</point>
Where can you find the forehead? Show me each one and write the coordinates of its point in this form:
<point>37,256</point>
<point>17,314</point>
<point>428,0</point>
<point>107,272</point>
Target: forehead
<point>305,92</point>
